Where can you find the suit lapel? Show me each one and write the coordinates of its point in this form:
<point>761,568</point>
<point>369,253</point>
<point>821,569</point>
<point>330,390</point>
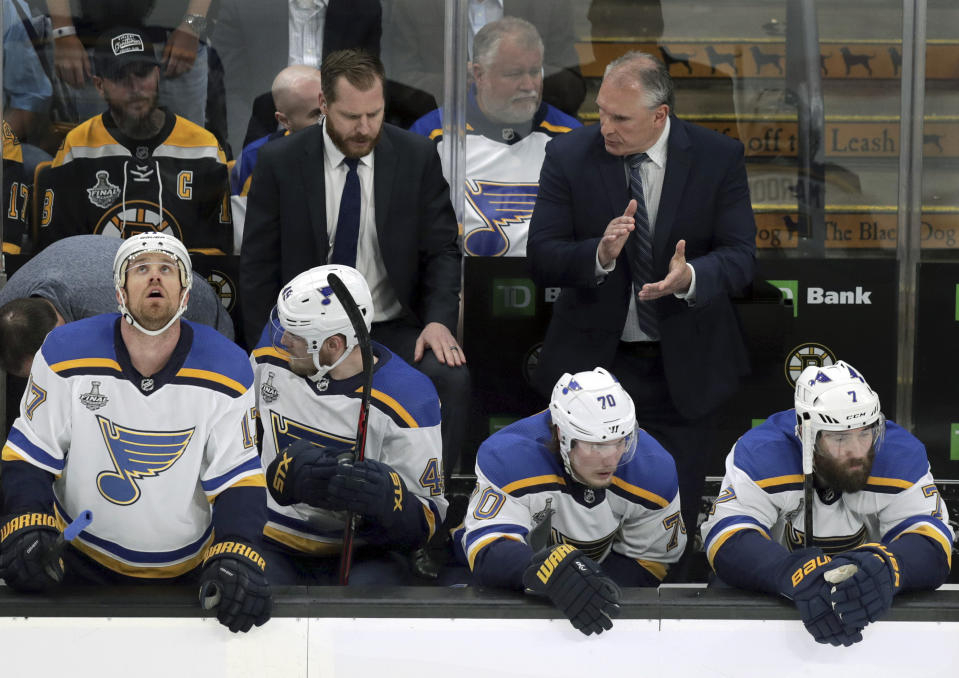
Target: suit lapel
<point>384,170</point>
<point>677,169</point>
<point>314,188</point>
<point>613,177</point>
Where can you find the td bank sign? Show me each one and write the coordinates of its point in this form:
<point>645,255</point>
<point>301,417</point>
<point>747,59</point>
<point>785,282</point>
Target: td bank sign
<point>816,296</point>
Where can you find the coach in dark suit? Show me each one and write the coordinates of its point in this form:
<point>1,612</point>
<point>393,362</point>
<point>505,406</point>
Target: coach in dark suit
<point>252,38</point>
<point>662,320</point>
<point>405,235</point>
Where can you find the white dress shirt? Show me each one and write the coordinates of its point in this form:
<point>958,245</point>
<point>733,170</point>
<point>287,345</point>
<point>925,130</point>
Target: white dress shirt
<point>306,32</point>
<point>369,260</point>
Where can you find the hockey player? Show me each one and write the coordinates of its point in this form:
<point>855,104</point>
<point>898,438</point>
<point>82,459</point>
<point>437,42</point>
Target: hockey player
<point>508,126</point>
<point>875,507</point>
<point>137,167</point>
<point>561,492</point>
<point>147,420</point>
<point>308,377</point>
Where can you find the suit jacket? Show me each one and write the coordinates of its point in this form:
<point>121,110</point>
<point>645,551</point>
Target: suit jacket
<point>415,55</point>
<point>286,229</point>
<point>253,41</point>
<point>705,200</point>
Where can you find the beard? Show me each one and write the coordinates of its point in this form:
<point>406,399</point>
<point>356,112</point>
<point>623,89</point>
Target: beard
<point>838,476</point>
<point>137,126</point>
<point>153,316</point>
<point>355,146</point>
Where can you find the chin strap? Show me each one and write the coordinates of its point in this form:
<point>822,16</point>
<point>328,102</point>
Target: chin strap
<point>322,370</point>
<point>152,333</point>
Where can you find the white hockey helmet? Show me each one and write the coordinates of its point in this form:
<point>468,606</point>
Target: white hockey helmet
<point>308,308</point>
<point>592,407</point>
<point>835,398</point>
<point>149,242</point>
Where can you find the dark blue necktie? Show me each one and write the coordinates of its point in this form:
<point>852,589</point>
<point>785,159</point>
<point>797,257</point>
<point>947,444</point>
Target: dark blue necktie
<point>348,221</point>
<point>639,248</point>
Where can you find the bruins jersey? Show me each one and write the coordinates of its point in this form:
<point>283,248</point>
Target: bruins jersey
<point>519,480</point>
<point>106,183</point>
<point>502,174</point>
<point>763,491</point>
<point>16,194</point>
<point>403,431</point>
<point>147,456</point>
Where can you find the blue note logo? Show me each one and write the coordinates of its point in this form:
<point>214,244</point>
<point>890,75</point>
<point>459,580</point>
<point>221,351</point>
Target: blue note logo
<point>499,205</point>
<point>286,431</point>
<point>137,455</point>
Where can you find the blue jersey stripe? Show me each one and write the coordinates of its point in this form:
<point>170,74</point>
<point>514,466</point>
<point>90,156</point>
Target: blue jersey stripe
<point>36,453</point>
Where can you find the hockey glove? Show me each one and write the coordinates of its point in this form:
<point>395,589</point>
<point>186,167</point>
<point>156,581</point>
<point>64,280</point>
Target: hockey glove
<point>301,474</point>
<point>29,555</point>
<point>233,582</point>
<point>801,579</point>
<point>575,584</point>
<point>370,488</point>
<point>866,595</point>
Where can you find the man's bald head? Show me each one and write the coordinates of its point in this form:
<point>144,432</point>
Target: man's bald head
<point>297,95</point>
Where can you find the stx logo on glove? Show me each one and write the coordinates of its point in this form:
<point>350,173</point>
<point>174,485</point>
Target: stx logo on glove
<point>27,520</point>
<point>555,558</point>
<point>237,548</point>
<point>279,480</point>
<point>808,567</point>
<point>397,491</point>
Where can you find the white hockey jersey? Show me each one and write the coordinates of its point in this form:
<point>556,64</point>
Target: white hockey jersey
<point>502,175</point>
<point>763,491</point>
<point>518,479</point>
<point>146,456</point>
<point>403,431</point>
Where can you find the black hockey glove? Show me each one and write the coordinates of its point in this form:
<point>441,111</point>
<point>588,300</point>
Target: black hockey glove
<point>576,585</point>
<point>370,488</point>
<point>801,579</point>
<point>301,474</point>
<point>29,559</point>
<point>866,595</point>
<point>233,582</point>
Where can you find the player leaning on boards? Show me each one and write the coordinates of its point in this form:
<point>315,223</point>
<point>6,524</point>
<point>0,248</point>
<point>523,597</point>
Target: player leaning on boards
<point>875,507</point>
<point>309,374</point>
<point>562,491</point>
<point>147,420</point>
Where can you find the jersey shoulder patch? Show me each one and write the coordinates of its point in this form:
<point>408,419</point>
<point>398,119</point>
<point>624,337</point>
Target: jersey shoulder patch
<point>516,458</point>
<point>404,393</point>
<point>649,477</point>
<point>900,461</point>
<point>430,125</point>
<point>84,346</point>
<point>216,362</point>
<point>556,122</point>
<point>771,454</point>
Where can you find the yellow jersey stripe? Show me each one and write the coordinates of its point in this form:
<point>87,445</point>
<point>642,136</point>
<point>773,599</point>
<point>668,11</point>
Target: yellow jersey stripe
<point>889,482</point>
<point>554,128</point>
<point>302,544</point>
<point>722,539</point>
<point>430,519</point>
<point>435,133</point>
<point>393,405</point>
<point>207,375</point>
<point>10,454</point>
<point>272,352</point>
<point>535,480</point>
<point>927,530</point>
<point>640,492</point>
<point>483,543</point>
<point>658,570</point>
<point>64,365</point>
<point>780,480</point>
<point>255,480</point>
<point>10,248</point>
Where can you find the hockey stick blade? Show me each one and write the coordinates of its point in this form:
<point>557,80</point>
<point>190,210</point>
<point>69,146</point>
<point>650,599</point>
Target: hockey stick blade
<point>366,352</point>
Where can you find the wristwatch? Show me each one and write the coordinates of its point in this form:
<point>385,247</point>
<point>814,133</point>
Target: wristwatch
<point>197,23</point>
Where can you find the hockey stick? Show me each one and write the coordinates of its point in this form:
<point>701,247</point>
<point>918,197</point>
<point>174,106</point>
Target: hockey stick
<point>76,526</point>
<point>366,352</point>
<point>808,447</point>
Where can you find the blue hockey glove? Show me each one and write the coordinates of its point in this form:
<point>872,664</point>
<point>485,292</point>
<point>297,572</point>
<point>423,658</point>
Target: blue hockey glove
<point>801,579</point>
<point>866,595</point>
<point>576,585</point>
<point>29,560</point>
<point>233,582</point>
<point>370,488</point>
<point>301,474</point>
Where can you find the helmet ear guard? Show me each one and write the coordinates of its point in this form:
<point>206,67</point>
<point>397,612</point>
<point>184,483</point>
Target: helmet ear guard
<point>146,243</point>
<point>308,308</point>
<point>592,407</point>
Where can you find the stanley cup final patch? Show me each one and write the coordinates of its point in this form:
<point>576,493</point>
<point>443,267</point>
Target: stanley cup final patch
<point>94,400</point>
<point>103,193</point>
<point>126,43</point>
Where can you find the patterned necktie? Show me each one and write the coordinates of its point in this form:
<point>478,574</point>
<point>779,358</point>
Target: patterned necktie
<point>348,221</point>
<point>639,248</point>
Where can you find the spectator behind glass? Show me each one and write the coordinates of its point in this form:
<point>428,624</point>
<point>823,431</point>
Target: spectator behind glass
<point>177,28</point>
<point>508,126</point>
<point>152,170</point>
<point>256,39</point>
<point>414,54</point>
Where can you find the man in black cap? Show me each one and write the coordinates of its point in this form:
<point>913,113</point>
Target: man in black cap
<point>137,167</point>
